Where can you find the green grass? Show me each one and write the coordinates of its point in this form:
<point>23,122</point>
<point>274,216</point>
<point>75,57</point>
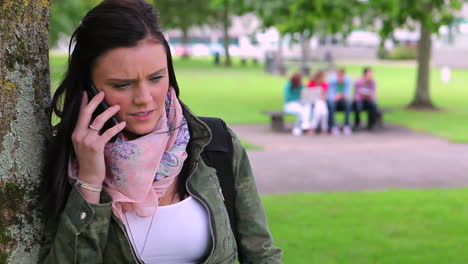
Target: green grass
<point>389,227</point>
<point>249,146</point>
<point>239,94</point>
<point>396,89</point>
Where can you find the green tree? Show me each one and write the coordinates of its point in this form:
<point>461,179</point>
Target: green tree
<point>66,15</point>
<point>183,15</point>
<point>273,13</point>
<point>24,98</point>
<point>430,15</point>
<point>304,18</point>
<point>223,10</point>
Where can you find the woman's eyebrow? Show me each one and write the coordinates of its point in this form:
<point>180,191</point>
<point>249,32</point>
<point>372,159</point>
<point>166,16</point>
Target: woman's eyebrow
<point>157,72</point>
<point>134,80</point>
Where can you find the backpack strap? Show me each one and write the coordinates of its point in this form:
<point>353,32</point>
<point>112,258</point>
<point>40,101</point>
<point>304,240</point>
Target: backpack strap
<point>219,155</point>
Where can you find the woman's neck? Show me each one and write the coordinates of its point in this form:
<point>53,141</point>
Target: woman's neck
<point>171,196</point>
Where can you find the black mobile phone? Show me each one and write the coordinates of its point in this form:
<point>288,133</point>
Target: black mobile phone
<point>103,106</point>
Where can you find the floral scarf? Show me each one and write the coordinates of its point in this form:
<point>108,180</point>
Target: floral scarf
<point>139,171</point>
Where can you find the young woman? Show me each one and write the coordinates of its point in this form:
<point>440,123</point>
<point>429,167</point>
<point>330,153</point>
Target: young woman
<point>293,104</point>
<point>137,190</point>
<point>320,112</point>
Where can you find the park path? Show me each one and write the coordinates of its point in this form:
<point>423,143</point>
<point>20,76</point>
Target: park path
<point>390,158</point>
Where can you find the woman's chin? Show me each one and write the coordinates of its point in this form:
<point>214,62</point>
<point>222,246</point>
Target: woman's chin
<point>135,133</point>
<point>138,129</point>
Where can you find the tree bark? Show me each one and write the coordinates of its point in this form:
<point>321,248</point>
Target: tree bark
<point>24,97</point>
<point>185,43</point>
<point>226,24</point>
<point>305,50</point>
<point>279,60</point>
<point>422,97</point>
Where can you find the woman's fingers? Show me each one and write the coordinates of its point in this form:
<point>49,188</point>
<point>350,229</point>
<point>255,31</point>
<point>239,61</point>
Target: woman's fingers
<point>111,132</point>
<point>101,119</point>
<point>87,111</point>
<point>87,130</point>
<point>84,100</point>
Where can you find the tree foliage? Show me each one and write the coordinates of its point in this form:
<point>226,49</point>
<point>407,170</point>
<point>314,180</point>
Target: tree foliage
<point>183,14</point>
<point>308,17</point>
<point>66,15</point>
<point>432,14</point>
<point>223,10</point>
<point>429,15</point>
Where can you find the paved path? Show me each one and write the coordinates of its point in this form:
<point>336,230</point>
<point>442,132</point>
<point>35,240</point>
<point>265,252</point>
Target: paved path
<point>387,159</point>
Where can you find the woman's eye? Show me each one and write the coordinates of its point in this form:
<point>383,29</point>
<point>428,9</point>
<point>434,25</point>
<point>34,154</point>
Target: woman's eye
<point>156,78</point>
<point>120,85</point>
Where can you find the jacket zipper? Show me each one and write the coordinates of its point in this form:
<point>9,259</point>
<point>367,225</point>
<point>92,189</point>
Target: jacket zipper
<point>212,227</point>
<point>137,258</point>
<point>218,187</point>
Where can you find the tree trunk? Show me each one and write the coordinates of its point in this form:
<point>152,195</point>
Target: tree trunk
<point>279,60</point>
<point>24,96</point>
<point>185,43</point>
<point>382,53</point>
<point>305,50</point>
<point>422,97</point>
<point>226,24</point>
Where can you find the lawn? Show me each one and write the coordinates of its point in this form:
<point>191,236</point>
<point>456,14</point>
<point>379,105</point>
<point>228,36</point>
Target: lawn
<point>240,94</point>
<point>388,227</point>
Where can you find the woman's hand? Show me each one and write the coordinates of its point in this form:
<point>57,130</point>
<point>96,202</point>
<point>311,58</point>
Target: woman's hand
<point>89,143</point>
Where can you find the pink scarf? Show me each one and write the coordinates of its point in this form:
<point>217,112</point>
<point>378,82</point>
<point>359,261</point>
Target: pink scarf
<point>139,172</point>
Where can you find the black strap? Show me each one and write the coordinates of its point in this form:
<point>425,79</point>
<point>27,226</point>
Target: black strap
<point>219,155</point>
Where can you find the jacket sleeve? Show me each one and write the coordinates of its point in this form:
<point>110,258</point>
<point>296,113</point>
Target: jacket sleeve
<point>331,89</point>
<point>355,94</point>
<point>286,91</point>
<point>254,241</point>
<point>80,233</point>
<point>348,88</point>
<point>374,90</point>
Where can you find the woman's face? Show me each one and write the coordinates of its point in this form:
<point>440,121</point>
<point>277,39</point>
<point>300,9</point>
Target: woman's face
<point>320,77</point>
<point>136,79</point>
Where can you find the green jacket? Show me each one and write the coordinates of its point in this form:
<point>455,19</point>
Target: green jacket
<point>292,95</point>
<point>91,233</point>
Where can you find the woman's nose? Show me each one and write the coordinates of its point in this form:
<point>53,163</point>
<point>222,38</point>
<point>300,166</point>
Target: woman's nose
<point>142,95</point>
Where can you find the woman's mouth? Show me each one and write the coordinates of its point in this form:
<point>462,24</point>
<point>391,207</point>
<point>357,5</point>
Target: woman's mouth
<point>142,116</point>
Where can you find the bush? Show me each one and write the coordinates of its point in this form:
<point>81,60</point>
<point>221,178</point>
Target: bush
<point>382,53</point>
<point>403,53</point>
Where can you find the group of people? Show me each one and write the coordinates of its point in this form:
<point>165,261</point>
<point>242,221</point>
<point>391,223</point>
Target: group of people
<point>333,94</point>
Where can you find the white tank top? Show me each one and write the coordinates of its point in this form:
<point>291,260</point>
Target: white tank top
<point>180,233</point>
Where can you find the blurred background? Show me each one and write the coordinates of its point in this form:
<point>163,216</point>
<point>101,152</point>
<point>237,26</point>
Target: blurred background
<point>394,194</point>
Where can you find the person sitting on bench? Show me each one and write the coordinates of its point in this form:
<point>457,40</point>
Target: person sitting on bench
<point>320,114</point>
<point>339,98</point>
<point>365,99</point>
<point>293,104</point>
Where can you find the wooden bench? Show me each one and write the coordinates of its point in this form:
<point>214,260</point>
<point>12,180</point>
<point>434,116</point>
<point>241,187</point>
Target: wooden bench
<point>381,111</point>
<point>380,120</point>
<point>277,118</point>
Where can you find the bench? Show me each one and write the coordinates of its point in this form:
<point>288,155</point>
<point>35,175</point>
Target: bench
<point>381,111</point>
<point>379,122</point>
<point>277,118</point>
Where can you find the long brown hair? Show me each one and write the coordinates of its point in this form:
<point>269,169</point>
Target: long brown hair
<point>318,77</point>
<point>296,80</point>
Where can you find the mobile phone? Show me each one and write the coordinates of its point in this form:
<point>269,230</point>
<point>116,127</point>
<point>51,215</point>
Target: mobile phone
<point>103,106</point>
